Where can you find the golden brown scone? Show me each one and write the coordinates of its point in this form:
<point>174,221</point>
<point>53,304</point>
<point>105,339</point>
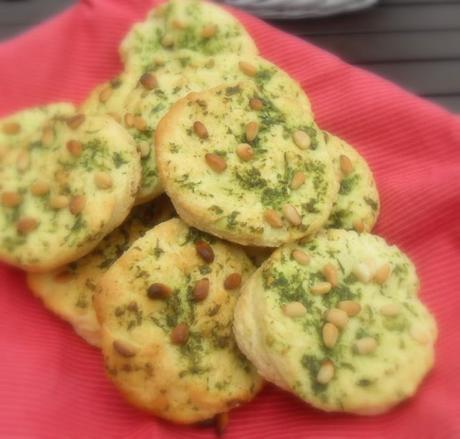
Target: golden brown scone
<point>64,190</point>
<point>245,167</point>
<point>68,291</point>
<point>166,311</point>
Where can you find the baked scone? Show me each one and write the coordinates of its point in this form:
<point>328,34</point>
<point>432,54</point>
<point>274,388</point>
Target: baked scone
<point>357,205</point>
<point>194,25</point>
<point>68,291</point>
<point>245,167</point>
<point>166,310</point>
<point>337,321</point>
<point>63,192</point>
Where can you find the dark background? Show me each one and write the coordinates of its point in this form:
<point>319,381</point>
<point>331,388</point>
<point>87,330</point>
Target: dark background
<point>415,43</point>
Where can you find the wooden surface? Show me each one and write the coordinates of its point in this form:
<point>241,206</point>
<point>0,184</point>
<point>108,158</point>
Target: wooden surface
<point>415,43</point>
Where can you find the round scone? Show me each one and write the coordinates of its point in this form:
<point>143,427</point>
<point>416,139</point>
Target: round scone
<point>337,321</point>
<point>68,291</point>
<point>174,77</point>
<point>244,167</point>
<point>62,193</point>
<point>357,205</point>
<point>166,310</point>
<point>194,25</point>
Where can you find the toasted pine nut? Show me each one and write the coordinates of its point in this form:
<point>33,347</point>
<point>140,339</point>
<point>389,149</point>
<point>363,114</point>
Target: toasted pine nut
<point>105,94</point>
<point>26,225</point>
<point>11,199</point>
<point>47,136</point>
<point>201,290</point>
<point>115,116</point>
<point>23,161</point>
<point>247,69</point>
<point>350,307</point>
<point>129,120</point>
<point>390,310</point>
<point>292,215</point>
<point>330,335</point>
<point>148,81</point>
<point>366,345</point>
<point>74,147</point>
<point>77,204</point>
<point>75,121</point>
<point>256,104</point>
<point>326,372</point>
<point>359,226</point>
<point>178,24</point>
<point>330,274</point>
<point>298,180</point>
<point>420,335</point>
<point>301,257</point>
<point>294,309</point>
<point>301,139</point>
<point>200,130</point>
<point>124,349</point>
<point>167,41</point>
<point>139,123</point>
<point>11,128</point>
<point>345,165</point>
<point>382,274</point>
<point>337,317</point>
<point>103,180</point>
<point>232,281</point>
<point>273,218</point>
<point>321,288</point>
<point>252,129</point>
<point>179,334</point>
<point>39,187</point>
<point>205,251</point>
<point>59,201</point>
<point>158,291</point>
<point>244,151</point>
<point>216,162</point>
<point>209,31</point>
<point>220,423</point>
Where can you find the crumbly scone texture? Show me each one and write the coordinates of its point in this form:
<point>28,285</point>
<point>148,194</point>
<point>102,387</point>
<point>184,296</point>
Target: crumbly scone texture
<point>183,379</point>
<point>63,192</point>
<point>251,200</point>
<point>194,25</point>
<point>68,291</point>
<point>382,343</point>
<point>358,203</point>
<point>170,78</point>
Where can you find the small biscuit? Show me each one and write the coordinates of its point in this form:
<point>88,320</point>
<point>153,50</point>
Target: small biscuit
<point>68,291</point>
<point>337,321</point>
<point>166,310</point>
<point>244,166</point>
<point>64,190</point>
<point>357,206</point>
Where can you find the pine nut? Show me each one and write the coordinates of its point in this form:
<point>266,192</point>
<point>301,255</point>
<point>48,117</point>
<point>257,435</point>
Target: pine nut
<point>252,129</point>
<point>350,307</point>
<point>11,199</point>
<point>139,123</point>
<point>167,41</point>
<point>420,334</point>
<point>330,335</point>
<point>123,349</point>
<point>294,309</point>
<point>77,204</point>
<point>292,215</point>
<point>23,161</point>
<point>148,81</point>
<point>345,165</point>
<point>220,423</point>
<point>200,130</point>
<point>301,257</point>
<point>39,187</point>
<point>144,149</point>
<point>390,310</point>
<point>105,94</point>
<point>247,69</point>
<point>201,290</point>
<point>74,122</point>
<point>330,274</point>
<point>11,128</point>
<point>209,31</point>
<point>337,317</point>
<point>129,120</point>
<point>382,274</point>
<point>59,201</point>
<point>232,281</point>
<point>26,225</point>
<point>326,372</point>
<point>273,218</point>
<point>362,272</point>
<point>321,288</point>
<point>178,24</point>
<point>216,162</point>
<point>179,334</point>
<point>256,104</point>
<point>158,291</point>
<point>103,180</point>
<point>47,136</point>
<point>244,151</point>
<point>205,251</point>
<point>359,226</point>
<point>365,345</point>
<point>74,147</point>
<point>115,116</point>
<point>301,139</point>
<point>297,180</point>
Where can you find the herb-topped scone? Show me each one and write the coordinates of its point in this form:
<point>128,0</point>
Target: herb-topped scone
<point>244,167</point>
<point>63,192</point>
<point>198,26</point>
<point>68,291</point>
<point>337,321</point>
<point>357,206</point>
<point>166,310</point>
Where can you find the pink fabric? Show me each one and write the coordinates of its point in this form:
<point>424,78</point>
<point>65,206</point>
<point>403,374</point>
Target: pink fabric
<point>52,384</point>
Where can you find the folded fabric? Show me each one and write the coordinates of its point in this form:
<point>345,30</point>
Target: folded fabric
<point>52,384</point>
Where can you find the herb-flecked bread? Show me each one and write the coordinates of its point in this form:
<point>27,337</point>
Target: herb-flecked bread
<point>68,291</point>
<point>194,25</point>
<point>166,310</point>
<point>63,192</point>
<point>337,321</point>
<point>245,167</point>
<point>357,206</point>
